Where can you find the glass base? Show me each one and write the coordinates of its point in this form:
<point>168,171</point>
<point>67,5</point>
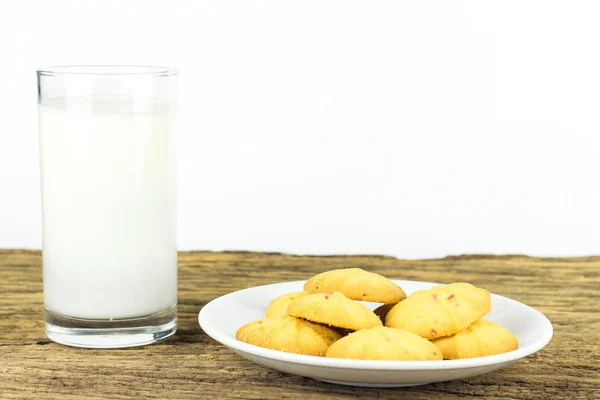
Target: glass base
<point>110,334</point>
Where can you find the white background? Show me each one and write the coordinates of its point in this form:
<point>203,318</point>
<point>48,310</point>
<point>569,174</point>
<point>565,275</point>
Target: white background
<point>415,129</point>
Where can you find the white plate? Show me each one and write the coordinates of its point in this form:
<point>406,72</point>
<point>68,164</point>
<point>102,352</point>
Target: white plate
<point>222,317</point>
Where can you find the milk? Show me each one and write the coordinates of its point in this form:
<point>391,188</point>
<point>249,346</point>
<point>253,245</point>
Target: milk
<point>109,207</point>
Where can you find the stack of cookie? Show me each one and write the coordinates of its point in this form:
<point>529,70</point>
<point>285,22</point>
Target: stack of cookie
<point>328,319</point>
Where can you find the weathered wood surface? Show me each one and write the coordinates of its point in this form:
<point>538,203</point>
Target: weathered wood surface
<point>191,365</point>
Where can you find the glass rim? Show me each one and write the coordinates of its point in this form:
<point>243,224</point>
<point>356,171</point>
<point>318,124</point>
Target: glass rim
<point>108,70</point>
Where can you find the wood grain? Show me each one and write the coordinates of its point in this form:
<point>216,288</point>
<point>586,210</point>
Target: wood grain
<point>191,365</point>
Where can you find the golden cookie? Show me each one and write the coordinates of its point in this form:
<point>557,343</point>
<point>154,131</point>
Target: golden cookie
<point>440,311</point>
<point>382,311</point>
<point>333,309</point>
<point>289,334</point>
<point>278,307</point>
<point>483,338</point>
<point>356,284</point>
<point>383,343</point>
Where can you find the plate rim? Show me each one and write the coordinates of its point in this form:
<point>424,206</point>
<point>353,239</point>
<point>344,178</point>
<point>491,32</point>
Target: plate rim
<point>383,365</point>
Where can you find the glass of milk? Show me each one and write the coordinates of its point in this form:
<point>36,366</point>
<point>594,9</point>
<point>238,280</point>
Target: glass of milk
<point>107,151</point>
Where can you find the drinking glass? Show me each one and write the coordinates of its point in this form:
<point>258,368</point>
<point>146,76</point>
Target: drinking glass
<point>107,155</point>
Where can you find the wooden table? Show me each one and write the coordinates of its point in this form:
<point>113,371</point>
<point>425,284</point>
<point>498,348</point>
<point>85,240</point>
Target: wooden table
<point>192,365</point>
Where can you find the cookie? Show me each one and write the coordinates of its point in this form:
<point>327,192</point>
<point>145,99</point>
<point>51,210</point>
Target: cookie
<point>383,343</point>
<point>333,309</point>
<point>289,334</point>
<point>382,311</point>
<point>278,307</point>
<point>356,284</point>
<point>483,338</point>
<point>440,311</point>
